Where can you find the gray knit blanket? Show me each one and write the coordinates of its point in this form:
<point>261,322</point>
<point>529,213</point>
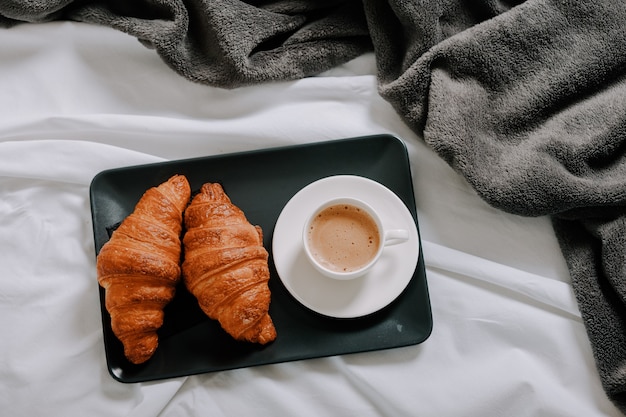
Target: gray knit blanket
<point>525,99</point>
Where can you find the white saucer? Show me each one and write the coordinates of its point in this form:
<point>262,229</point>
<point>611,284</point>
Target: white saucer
<point>360,296</point>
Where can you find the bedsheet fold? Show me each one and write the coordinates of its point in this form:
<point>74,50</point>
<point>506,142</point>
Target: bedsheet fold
<point>525,100</point>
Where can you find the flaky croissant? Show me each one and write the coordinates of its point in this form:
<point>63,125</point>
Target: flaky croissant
<point>225,266</point>
<point>139,267</point>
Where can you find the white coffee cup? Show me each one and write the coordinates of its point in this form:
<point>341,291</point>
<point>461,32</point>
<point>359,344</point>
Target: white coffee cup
<point>344,238</point>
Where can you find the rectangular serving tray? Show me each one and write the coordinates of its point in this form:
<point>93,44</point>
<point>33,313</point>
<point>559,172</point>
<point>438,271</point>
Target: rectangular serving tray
<point>261,182</point>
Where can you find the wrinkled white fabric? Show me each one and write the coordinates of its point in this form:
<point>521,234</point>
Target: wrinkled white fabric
<point>78,99</point>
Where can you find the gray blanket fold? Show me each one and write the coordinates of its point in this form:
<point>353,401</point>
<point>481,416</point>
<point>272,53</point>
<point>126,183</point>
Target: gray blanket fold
<point>525,99</point>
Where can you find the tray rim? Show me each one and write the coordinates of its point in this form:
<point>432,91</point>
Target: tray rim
<point>254,152</point>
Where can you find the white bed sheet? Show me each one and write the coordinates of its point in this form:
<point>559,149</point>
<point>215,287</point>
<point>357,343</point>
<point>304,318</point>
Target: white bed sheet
<point>77,99</point>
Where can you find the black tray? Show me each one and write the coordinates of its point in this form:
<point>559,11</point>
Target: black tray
<point>260,183</point>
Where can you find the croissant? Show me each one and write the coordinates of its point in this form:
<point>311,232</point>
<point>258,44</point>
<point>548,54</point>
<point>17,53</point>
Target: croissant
<point>139,267</point>
<point>225,266</point>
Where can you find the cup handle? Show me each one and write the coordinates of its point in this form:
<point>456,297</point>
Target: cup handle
<point>395,236</point>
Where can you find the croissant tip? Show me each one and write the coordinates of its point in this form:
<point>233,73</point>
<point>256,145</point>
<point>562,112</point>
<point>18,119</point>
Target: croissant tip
<point>141,349</point>
<point>213,186</point>
<point>138,360</point>
<point>263,333</point>
<point>181,182</point>
<point>213,189</point>
<point>264,339</point>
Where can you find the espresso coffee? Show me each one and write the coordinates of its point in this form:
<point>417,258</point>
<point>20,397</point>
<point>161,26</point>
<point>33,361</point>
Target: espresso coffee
<point>343,238</point>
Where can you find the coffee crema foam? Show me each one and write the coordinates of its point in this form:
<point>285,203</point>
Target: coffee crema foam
<point>343,238</point>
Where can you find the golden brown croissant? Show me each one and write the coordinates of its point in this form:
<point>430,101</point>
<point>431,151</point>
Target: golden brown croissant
<point>139,267</point>
<point>225,266</point>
